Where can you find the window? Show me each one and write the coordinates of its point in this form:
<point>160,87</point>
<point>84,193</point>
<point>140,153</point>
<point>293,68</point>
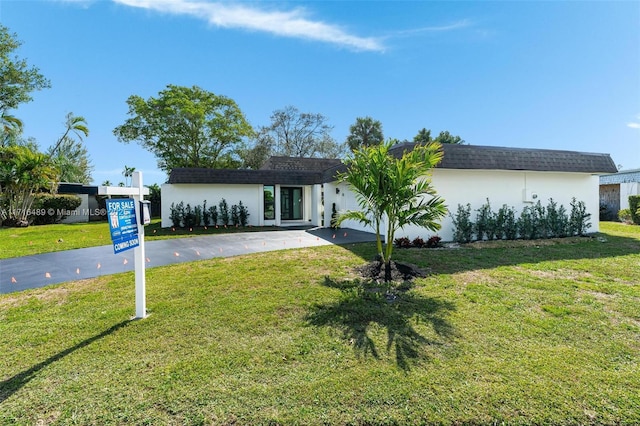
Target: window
<point>269,202</point>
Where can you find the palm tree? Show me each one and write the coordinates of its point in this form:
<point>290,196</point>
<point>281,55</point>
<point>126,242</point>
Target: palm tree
<point>127,173</point>
<point>10,126</point>
<point>74,124</point>
<point>396,189</point>
<point>365,132</point>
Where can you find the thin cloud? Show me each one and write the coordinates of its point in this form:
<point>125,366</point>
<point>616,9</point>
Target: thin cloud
<point>292,23</point>
<point>635,124</point>
<point>458,25</point>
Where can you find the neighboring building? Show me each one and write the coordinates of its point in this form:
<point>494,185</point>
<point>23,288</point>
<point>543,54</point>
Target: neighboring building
<point>291,191</point>
<point>615,189</point>
<point>88,206</point>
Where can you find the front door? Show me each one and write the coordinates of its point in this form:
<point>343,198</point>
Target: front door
<point>291,203</point>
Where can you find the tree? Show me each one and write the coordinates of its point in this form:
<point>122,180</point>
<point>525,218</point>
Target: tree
<point>23,172</point>
<point>10,129</point>
<point>71,158</point>
<point>423,136</point>
<point>396,189</point>
<point>74,124</point>
<point>297,134</point>
<point>185,127</point>
<point>446,137</point>
<point>365,132</point>
<point>17,79</point>
<point>263,143</point>
<point>69,154</point>
<point>128,173</point>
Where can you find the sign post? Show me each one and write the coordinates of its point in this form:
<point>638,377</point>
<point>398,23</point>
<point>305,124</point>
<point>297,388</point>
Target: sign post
<point>127,231</point>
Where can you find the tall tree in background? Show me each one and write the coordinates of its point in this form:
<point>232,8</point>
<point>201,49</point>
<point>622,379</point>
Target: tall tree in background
<point>395,190</point>
<point>423,136</point>
<point>254,157</point>
<point>128,174</point>
<point>365,132</point>
<point>446,137</point>
<point>185,127</point>
<point>69,154</point>
<point>17,79</point>
<point>297,134</point>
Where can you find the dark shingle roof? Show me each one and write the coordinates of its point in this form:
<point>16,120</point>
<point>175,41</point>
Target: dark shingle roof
<point>300,164</point>
<point>307,171</point>
<point>203,175</point>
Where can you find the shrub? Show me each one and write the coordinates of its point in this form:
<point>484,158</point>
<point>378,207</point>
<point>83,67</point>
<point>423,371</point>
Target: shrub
<point>213,213</point>
<point>506,226</point>
<point>197,213</point>
<point>243,213</point>
<point>189,217</point>
<point>206,215</point>
<point>434,242</point>
<point>625,216</point>
<point>485,222</point>
<point>402,242</point>
<point>334,216</point>
<point>578,218</point>
<point>557,220</point>
<point>176,212</point>
<point>418,242</point>
<point>224,212</point>
<point>527,223</point>
<point>235,215</point>
<point>59,203</point>
<point>462,225</point>
<point>634,208</point>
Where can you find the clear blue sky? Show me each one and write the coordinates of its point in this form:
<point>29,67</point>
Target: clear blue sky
<point>559,75</point>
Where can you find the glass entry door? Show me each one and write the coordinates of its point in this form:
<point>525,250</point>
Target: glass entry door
<point>291,203</point>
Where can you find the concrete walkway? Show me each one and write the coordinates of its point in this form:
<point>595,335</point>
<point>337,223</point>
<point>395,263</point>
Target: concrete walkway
<point>28,272</point>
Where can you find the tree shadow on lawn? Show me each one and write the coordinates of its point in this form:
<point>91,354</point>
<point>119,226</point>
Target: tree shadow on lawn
<point>13,384</point>
<point>395,308</point>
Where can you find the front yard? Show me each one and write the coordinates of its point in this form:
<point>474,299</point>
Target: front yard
<point>536,334</point>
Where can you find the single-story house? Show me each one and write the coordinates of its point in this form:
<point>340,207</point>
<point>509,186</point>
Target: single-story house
<point>88,208</point>
<point>294,191</point>
<point>615,189</point>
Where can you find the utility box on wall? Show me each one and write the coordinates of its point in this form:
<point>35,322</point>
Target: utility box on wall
<point>529,196</point>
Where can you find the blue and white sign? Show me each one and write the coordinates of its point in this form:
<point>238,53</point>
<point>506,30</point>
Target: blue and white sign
<point>123,224</point>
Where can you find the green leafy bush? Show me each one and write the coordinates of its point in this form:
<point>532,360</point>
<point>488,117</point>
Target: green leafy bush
<point>625,216</point>
<point>225,217</point>
<point>634,208</point>
<point>462,225</point>
<point>59,204</point>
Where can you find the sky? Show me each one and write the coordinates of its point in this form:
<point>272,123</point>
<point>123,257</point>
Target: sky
<point>553,75</point>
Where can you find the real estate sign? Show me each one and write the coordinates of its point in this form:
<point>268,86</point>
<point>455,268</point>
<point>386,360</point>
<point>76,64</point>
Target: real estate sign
<point>123,224</point>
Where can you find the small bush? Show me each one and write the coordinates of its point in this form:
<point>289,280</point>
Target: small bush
<point>59,203</point>
<point>578,218</point>
<point>189,218</point>
<point>235,215</point>
<point>624,216</point>
<point>462,225</point>
<point>402,242</point>
<point>506,225</point>
<point>243,213</point>
<point>224,212</point>
<point>175,214</point>
<point>434,242</point>
<point>213,215</point>
<point>206,215</point>
<point>418,242</point>
<point>634,208</point>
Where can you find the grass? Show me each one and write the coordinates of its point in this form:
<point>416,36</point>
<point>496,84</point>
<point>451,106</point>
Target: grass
<point>17,242</point>
<point>546,334</point>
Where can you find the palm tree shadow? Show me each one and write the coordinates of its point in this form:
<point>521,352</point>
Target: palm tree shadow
<point>395,308</point>
<point>13,384</point>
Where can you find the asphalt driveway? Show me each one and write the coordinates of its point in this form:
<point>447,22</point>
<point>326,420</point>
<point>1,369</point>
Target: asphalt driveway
<point>40,270</point>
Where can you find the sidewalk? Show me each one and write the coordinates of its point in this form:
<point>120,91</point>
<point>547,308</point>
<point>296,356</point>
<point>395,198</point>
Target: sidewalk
<point>40,270</point>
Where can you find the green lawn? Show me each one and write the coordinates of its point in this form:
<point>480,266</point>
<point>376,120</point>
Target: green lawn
<point>544,334</point>
<point>18,242</point>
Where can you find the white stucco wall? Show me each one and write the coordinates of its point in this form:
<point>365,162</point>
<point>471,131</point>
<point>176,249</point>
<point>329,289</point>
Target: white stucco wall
<point>627,189</point>
<point>475,186</point>
<point>195,194</point>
